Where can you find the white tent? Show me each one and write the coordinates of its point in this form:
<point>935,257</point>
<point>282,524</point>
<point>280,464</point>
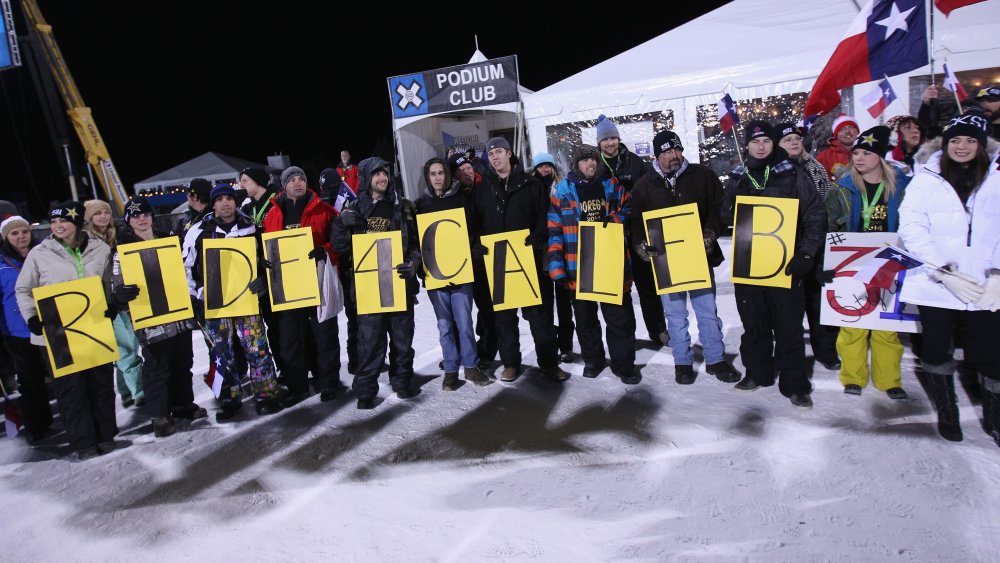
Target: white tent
<point>420,138</point>
<point>749,49</point>
<point>210,166</point>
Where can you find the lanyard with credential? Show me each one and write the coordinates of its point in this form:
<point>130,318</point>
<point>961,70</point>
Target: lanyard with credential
<point>259,214</point>
<point>767,173</point>
<point>866,210</point>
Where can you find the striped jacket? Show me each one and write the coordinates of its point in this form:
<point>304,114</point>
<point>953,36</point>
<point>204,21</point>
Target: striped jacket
<point>563,223</point>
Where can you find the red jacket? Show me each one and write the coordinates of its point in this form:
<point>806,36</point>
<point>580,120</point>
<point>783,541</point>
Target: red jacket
<point>834,158</point>
<point>317,215</point>
<point>349,174</point>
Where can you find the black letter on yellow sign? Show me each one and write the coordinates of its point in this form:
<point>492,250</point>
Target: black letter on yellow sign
<point>660,263</point>
<point>213,286</point>
<point>277,279</point>
<point>587,261</point>
<point>383,265</point>
<point>427,248</point>
<point>151,271</point>
<point>743,234</point>
<point>55,330</point>
<point>500,270</point>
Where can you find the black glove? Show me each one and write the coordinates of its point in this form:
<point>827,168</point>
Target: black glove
<point>825,276</point>
<point>111,312</point>
<point>709,236</point>
<point>529,240</point>
<point>318,254</point>
<point>121,295</point>
<point>406,270</point>
<point>799,265</point>
<point>35,325</point>
<point>257,286</point>
<point>645,251</point>
<point>198,306</point>
<point>478,251</point>
<point>266,264</point>
<point>351,218</point>
<point>607,219</point>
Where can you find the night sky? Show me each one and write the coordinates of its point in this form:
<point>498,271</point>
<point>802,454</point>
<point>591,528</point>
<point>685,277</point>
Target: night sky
<point>170,81</point>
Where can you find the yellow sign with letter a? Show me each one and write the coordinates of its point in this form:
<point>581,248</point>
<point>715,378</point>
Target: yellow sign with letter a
<point>764,231</point>
<point>291,280</point>
<point>78,335</point>
<point>156,267</point>
<point>230,264</point>
<point>600,262</point>
<point>444,248</point>
<point>511,270</point>
<point>377,286</point>
<point>682,263</point>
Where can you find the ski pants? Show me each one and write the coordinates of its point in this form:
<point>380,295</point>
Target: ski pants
<point>166,376</point>
<point>128,368</point>
<point>772,336</point>
<point>29,364</point>
<point>619,321</point>
<point>86,401</point>
<point>377,332</point>
<point>887,351</point>
<point>249,330</point>
<point>299,327</point>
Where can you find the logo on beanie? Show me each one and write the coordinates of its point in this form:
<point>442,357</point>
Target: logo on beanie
<point>133,207</point>
<point>757,130</point>
<point>868,140</point>
<point>787,131</point>
<point>72,213</point>
<point>969,119</point>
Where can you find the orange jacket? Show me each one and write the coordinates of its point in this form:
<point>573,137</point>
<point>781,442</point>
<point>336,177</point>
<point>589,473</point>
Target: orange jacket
<point>834,158</point>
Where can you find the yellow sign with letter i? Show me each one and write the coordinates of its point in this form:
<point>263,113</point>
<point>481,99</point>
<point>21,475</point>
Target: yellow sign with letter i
<point>78,335</point>
<point>157,268</point>
<point>764,230</point>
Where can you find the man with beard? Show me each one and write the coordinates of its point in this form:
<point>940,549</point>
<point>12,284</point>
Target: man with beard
<point>380,209</point>
<point>773,344</point>
<point>676,181</point>
<point>512,200</point>
<point>623,167</point>
<point>582,197</point>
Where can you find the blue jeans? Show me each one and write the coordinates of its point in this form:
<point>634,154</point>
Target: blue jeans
<point>709,325</point>
<point>453,308</point>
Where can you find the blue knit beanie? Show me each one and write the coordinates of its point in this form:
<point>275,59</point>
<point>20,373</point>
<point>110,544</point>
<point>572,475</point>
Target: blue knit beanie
<point>606,129</point>
<point>222,189</point>
<point>543,158</point>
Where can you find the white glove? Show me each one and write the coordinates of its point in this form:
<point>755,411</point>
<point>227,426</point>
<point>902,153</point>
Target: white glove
<point>990,298</point>
<point>963,286</point>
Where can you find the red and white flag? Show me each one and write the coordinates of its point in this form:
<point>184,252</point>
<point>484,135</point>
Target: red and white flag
<point>12,417</point>
<point>727,114</point>
<point>881,269</point>
<point>878,99</point>
<point>951,82</point>
<point>946,6</point>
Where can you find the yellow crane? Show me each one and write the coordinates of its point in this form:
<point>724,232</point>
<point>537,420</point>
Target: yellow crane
<point>86,129</point>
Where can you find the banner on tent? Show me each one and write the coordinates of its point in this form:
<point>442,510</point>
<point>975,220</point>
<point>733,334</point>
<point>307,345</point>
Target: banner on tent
<point>853,303</point>
<point>472,85</point>
<point>763,240</point>
<point>465,134</point>
<point>157,268</point>
<point>230,264</point>
<point>511,270</point>
<point>78,335</point>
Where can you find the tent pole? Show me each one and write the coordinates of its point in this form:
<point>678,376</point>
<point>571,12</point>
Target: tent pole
<point>739,153</point>
<point>930,44</point>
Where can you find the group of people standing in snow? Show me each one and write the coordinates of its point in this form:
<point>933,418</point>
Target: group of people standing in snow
<point>938,187</point>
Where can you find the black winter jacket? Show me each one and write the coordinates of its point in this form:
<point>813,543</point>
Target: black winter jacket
<point>525,205</point>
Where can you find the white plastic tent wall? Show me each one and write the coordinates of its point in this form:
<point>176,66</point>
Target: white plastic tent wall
<point>419,139</point>
<point>749,49</point>
<point>210,166</point>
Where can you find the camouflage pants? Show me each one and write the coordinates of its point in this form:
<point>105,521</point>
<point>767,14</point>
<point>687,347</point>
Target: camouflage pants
<point>249,331</point>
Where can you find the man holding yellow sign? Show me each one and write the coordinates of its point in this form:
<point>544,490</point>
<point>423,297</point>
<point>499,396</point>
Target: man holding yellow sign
<point>676,222</point>
<point>777,234</point>
<point>582,208</point>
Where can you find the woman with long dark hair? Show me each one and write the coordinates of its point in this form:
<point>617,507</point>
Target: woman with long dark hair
<point>950,219</point>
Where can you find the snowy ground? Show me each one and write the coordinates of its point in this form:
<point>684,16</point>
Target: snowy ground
<point>590,470</point>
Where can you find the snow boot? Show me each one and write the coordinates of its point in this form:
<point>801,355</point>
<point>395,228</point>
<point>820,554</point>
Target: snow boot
<point>723,372</point>
<point>684,374</point>
<point>556,373</point>
<point>509,374</point>
<point>107,447</point>
<point>366,403</point>
<point>163,427</point>
<point>593,370</point>
<point>450,381</point>
<point>991,410</point>
<point>84,454</point>
<point>631,377</point>
<point>947,406</point>
<point>190,411</point>
<point>228,409</point>
<point>476,376</point>
<point>266,405</point>
<point>897,394</point>
<point>747,384</point>
<point>852,389</point>
<point>802,400</point>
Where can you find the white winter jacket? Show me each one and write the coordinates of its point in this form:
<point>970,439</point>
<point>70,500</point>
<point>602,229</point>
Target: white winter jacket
<point>935,226</point>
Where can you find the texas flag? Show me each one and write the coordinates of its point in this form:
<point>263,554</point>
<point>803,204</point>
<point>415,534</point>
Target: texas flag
<point>880,270</point>
<point>727,114</point>
<point>951,82</point>
<point>216,374</point>
<point>878,99</point>
<point>344,196</point>
<point>888,37</point>
<point>947,6</point>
